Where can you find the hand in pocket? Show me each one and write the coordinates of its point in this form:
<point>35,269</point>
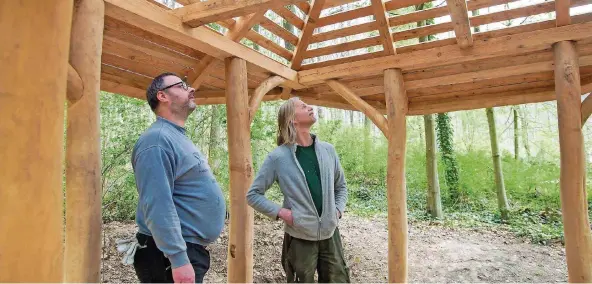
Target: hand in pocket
<point>286,215</point>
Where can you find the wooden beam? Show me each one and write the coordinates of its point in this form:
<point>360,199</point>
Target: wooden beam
<point>201,13</point>
<point>349,45</point>
<point>35,37</point>
<point>586,109</point>
<point>263,89</point>
<point>240,29</point>
<point>383,27</point>
<point>82,261</point>
<point>150,18</point>
<point>352,30</point>
<point>360,104</point>
<point>345,16</point>
<point>240,236</point>
<point>574,206</point>
<point>396,105</point>
<point>459,16</point>
<point>75,87</point>
<point>506,46</point>
<point>562,17</point>
<point>309,27</point>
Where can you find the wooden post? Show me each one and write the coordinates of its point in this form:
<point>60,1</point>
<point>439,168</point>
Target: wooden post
<point>82,260</point>
<point>578,241</point>
<point>240,240</point>
<point>396,105</point>
<point>35,37</point>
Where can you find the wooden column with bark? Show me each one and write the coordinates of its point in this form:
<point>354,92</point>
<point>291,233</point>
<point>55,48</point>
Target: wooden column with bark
<point>396,105</point>
<point>578,241</point>
<point>82,260</point>
<point>35,37</point>
<point>240,240</point>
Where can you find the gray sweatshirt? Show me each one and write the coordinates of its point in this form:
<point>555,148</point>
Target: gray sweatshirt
<point>282,166</point>
<point>179,198</point>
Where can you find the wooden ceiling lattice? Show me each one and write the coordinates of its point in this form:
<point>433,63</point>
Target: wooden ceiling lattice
<point>451,68</point>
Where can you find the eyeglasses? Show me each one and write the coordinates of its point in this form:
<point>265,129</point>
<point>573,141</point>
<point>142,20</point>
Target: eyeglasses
<point>182,83</point>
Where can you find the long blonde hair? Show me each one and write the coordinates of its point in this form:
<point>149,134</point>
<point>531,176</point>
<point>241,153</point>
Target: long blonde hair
<point>286,130</point>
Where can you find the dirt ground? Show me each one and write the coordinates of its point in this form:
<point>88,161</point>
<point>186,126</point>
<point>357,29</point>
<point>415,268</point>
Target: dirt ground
<point>436,254</point>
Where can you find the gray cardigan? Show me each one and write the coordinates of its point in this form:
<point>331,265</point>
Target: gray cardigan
<point>282,166</point>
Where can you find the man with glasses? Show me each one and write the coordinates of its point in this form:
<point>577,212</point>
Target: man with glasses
<point>181,208</point>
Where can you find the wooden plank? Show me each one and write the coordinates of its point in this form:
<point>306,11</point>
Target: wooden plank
<point>423,31</point>
<point>151,19</point>
<point>562,17</point>
<point>506,46</point>
<point>383,26</point>
<point>342,60</point>
<point>130,33</point>
<point>460,19</point>
<point>309,26</point>
<point>303,6</point>
<point>350,45</point>
<point>360,104</point>
<point>125,77</point>
<point>279,31</point>
<point>530,10</point>
<point>122,89</point>
<point>35,37</point>
<point>201,13</point>
<point>335,3</point>
<point>441,11</point>
<point>240,235</point>
<point>270,45</point>
<point>135,60</point>
<point>398,4</point>
<point>574,205</point>
<point>397,108</point>
<point>290,17</point>
<point>352,30</point>
<point>345,16</point>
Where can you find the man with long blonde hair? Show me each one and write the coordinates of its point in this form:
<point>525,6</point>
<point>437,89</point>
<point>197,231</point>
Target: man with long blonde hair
<point>313,184</point>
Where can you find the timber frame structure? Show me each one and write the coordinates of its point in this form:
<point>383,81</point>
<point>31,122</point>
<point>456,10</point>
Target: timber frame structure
<point>57,55</point>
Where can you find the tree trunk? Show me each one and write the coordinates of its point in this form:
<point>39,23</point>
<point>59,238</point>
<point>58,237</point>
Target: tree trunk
<point>434,199</point>
<point>351,117</point>
<point>524,124</point>
<point>516,135</point>
<point>446,142</point>
<point>213,156</point>
<point>502,200</point>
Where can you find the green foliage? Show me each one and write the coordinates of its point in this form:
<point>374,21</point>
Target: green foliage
<point>446,144</point>
<point>532,185</point>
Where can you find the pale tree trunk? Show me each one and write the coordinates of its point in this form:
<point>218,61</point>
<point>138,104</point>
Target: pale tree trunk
<point>320,113</point>
<point>214,139</point>
<point>351,117</point>
<point>502,200</point>
<point>524,124</point>
<point>434,199</point>
<point>367,142</point>
<point>516,142</point>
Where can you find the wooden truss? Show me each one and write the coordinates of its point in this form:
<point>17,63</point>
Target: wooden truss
<point>118,46</point>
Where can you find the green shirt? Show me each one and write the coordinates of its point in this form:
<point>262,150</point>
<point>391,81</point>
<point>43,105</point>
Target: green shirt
<point>307,158</point>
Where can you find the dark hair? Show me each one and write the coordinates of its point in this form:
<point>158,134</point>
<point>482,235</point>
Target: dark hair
<point>156,85</point>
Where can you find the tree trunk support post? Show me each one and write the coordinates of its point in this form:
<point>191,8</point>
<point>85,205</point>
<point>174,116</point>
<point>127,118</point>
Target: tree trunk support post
<point>578,241</point>
<point>32,94</point>
<point>396,105</point>
<point>240,241</point>
<point>82,259</point>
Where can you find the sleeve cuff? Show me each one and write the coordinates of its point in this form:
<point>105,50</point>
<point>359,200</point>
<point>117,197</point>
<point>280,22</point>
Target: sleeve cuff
<point>179,259</point>
<point>274,212</point>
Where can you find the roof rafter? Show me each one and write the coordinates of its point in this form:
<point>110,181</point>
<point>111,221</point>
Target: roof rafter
<point>562,17</point>
<point>383,27</point>
<point>201,13</point>
<point>239,30</point>
<point>309,27</point>
<point>459,16</point>
<point>152,19</point>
